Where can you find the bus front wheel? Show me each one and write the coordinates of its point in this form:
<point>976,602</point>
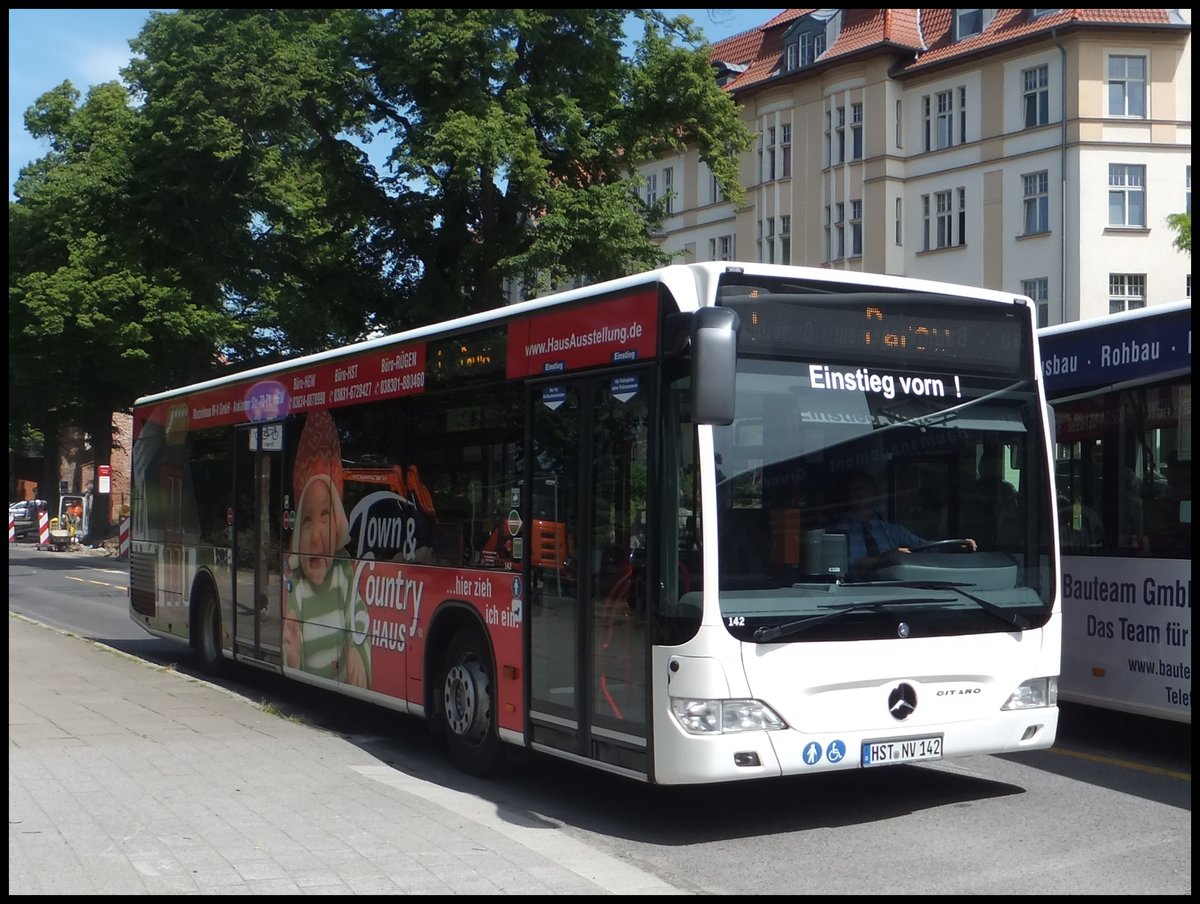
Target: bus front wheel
<point>469,705</point>
<point>208,633</point>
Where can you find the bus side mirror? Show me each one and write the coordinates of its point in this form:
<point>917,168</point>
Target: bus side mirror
<point>714,364</point>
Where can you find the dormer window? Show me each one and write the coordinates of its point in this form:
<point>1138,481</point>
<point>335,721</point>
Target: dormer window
<point>967,22</point>
<point>808,38</point>
<point>811,47</point>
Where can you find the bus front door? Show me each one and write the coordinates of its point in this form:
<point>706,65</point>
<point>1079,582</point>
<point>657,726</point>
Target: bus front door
<point>587,567</point>
<point>257,595</point>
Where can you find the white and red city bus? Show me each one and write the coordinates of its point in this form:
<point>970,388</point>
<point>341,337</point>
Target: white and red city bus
<point>610,525</point>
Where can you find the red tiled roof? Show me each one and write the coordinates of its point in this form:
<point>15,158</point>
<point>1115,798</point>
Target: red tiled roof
<point>923,37</point>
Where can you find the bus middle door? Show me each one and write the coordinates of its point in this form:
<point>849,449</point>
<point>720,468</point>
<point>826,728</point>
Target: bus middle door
<point>588,537</point>
<point>257,592</point>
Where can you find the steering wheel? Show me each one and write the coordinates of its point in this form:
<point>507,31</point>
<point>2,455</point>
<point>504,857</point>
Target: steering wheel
<point>958,544</point>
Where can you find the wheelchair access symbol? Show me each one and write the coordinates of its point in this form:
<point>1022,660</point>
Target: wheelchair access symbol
<point>835,752</point>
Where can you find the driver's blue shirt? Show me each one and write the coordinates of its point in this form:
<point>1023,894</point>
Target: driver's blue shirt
<point>887,536</point>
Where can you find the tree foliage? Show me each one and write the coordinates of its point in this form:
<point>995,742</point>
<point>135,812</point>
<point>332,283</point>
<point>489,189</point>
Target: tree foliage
<point>224,208</point>
<point>1181,225</point>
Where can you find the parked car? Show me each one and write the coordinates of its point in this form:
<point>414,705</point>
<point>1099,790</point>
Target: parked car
<point>24,515</point>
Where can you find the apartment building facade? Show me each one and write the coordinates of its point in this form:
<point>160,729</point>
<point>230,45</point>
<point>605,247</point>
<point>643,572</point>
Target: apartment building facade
<point>1037,151</point>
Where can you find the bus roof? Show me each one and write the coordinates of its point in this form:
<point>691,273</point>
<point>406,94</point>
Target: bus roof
<point>696,281</point>
<point>1125,349</point>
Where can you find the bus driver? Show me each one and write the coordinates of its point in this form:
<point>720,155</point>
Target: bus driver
<point>870,536</point>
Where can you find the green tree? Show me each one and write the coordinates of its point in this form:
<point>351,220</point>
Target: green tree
<point>1181,225</point>
<point>512,137</point>
<point>93,321</point>
<point>225,209</point>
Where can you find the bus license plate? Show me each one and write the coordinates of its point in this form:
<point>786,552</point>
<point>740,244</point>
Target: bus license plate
<point>901,750</point>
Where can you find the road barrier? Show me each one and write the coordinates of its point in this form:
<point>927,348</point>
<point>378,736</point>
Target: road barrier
<point>123,548</point>
<point>12,528</point>
<point>43,529</point>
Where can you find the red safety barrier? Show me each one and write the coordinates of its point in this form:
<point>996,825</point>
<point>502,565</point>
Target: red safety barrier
<point>123,549</point>
<point>43,529</point>
<point>12,528</point>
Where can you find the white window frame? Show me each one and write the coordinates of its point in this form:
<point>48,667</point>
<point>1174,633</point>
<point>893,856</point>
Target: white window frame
<point>669,188</point>
<point>785,239</point>
<point>1127,92</point>
<point>651,189</point>
<point>1036,205</point>
<point>812,45</point>
<point>1035,95</point>
<point>785,150</point>
<point>1126,190</point>
<point>944,218</point>
<point>856,131</point>
<point>1038,289</point>
<point>856,234</point>
<point>967,23</point>
<point>1126,292</point>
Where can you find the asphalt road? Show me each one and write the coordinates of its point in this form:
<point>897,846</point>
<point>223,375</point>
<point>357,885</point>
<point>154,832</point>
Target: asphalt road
<point>1106,811</point>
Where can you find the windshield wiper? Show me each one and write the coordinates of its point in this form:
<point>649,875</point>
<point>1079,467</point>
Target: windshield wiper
<point>1005,615</point>
<point>773,632</point>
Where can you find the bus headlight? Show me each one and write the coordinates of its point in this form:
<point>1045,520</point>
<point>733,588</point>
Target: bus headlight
<point>1034,693</point>
<point>724,716</point>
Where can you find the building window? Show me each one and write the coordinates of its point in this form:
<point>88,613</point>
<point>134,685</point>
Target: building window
<point>1037,202</point>
<point>839,227</point>
<point>899,125</point>
<point>840,135</point>
<point>1127,86</point>
<point>651,189</point>
<point>721,248</point>
<point>828,234</point>
<point>939,124</point>
<point>829,138</point>
<point>811,47</point>
<point>1187,191</point>
<point>1039,291</point>
<point>1126,195</point>
<point>967,22</point>
<point>1036,96</point>
<point>715,191</point>
<point>962,116</point>
<point>785,150</point>
<point>939,219</point>
<point>856,131</point>
<point>899,220</point>
<point>856,228</point>
<point>791,55</point>
<point>669,188</point>
<point>1126,292</point>
<point>962,216</point>
<point>943,201</point>
<point>785,240</point>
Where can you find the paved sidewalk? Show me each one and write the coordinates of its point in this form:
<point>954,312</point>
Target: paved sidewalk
<point>126,778</point>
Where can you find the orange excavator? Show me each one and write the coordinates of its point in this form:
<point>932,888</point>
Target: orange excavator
<point>395,479</point>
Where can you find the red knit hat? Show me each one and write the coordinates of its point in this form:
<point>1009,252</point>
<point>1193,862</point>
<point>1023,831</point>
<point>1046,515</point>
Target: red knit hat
<point>319,452</point>
<point>319,457</point>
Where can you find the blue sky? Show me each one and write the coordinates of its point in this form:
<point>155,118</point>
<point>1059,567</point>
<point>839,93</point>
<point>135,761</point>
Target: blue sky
<point>89,46</point>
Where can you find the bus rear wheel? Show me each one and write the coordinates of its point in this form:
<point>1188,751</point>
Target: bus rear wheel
<point>469,705</point>
<point>208,633</point>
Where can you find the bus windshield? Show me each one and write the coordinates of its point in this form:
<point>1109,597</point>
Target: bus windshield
<point>885,472</point>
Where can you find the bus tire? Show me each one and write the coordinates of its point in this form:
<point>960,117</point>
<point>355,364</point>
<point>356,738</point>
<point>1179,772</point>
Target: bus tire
<point>468,705</point>
<point>208,633</point>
